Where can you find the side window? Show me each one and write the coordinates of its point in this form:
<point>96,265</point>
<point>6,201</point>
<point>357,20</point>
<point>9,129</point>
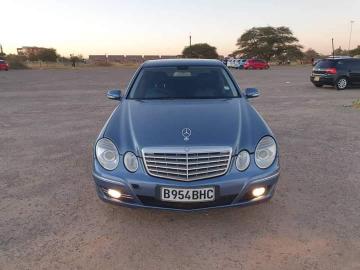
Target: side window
<point>228,86</point>
<point>355,65</point>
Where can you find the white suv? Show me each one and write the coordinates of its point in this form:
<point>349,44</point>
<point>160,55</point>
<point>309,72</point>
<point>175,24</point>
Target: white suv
<point>230,63</point>
<point>239,63</point>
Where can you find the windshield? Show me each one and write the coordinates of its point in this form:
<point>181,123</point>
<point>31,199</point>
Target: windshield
<point>325,64</point>
<point>183,82</point>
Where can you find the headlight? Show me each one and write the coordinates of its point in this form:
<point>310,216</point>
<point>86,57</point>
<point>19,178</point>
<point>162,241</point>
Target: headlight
<point>107,154</point>
<point>131,162</point>
<point>243,160</point>
<point>265,152</point>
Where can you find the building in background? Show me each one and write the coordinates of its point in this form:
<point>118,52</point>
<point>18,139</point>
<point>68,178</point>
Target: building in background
<point>127,59</point>
<point>116,58</point>
<point>97,58</point>
<point>134,59</point>
<point>170,56</point>
<point>27,51</point>
<point>151,57</point>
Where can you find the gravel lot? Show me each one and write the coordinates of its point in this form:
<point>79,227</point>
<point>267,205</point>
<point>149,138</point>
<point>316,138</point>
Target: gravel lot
<point>51,217</point>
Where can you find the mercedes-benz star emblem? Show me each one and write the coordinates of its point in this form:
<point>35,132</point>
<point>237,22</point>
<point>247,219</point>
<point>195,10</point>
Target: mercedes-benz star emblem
<point>186,132</point>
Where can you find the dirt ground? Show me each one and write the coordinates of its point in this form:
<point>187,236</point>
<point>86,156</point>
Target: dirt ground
<point>51,218</point>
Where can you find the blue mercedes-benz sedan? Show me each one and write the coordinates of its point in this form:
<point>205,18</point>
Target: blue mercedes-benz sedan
<point>185,137</point>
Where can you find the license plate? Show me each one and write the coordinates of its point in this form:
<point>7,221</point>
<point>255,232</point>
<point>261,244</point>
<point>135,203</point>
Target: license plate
<point>187,194</point>
<point>316,78</point>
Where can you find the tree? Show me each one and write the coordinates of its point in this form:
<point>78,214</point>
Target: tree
<point>33,57</point>
<point>200,50</point>
<point>292,53</point>
<point>269,42</point>
<point>48,55</point>
<point>2,54</point>
<point>355,52</point>
<point>76,58</point>
<point>339,52</point>
<point>311,53</point>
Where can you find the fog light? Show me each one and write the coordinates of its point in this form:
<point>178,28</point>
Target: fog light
<point>257,192</point>
<point>114,193</point>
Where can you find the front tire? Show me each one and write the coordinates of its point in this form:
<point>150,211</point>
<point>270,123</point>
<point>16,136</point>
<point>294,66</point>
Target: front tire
<point>318,85</point>
<point>341,83</point>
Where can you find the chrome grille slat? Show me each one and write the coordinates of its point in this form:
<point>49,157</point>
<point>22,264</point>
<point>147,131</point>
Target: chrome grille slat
<point>205,171</point>
<point>183,158</point>
<point>168,172</point>
<point>207,167</point>
<point>187,164</point>
<point>166,167</point>
<point>210,157</point>
<point>189,168</point>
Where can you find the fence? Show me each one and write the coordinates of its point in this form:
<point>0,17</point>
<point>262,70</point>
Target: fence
<point>127,59</point>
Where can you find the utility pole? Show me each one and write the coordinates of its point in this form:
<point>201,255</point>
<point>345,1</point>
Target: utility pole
<point>190,46</point>
<point>351,24</point>
<point>333,50</point>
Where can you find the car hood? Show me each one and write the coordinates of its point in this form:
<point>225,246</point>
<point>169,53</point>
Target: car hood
<point>159,123</point>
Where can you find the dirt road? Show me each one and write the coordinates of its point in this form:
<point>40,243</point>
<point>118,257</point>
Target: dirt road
<point>51,218</point>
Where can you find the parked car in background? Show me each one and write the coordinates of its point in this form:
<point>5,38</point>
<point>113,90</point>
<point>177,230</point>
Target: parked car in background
<point>239,63</point>
<point>315,61</point>
<point>185,137</point>
<point>4,65</point>
<point>230,63</point>
<point>256,64</point>
<point>338,72</point>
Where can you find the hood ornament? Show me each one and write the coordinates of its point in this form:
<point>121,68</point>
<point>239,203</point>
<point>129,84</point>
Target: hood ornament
<point>186,132</point>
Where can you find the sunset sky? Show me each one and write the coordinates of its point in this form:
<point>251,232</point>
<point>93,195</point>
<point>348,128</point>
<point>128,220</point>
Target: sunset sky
<point>163,27</point>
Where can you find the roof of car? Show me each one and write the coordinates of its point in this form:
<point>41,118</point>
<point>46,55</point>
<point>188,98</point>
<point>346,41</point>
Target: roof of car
<point>338,58</point>
<point>182,62</point>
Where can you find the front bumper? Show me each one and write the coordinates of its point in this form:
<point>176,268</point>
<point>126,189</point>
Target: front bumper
<point>142,190</point>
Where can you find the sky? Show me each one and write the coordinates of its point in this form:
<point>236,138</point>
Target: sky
<point>162,27</point>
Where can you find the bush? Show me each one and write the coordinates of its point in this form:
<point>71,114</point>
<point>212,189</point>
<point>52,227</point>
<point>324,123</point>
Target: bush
<point>47,55</point>
<point>16,62</point>
<point>17,65</point>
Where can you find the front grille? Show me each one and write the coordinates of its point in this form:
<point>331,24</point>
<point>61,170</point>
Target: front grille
<point>187,164</point>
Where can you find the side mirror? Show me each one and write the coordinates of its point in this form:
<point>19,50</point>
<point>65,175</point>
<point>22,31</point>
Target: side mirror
<point>251,93</point>
<point>114,94</point>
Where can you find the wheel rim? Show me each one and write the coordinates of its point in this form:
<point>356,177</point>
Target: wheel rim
<point>342,83</point>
